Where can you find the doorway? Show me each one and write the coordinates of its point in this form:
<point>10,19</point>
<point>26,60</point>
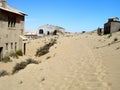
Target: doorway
<point>1,51</point>
<point>41,31</point>
<point>24,48</point>
<point>48,33</point>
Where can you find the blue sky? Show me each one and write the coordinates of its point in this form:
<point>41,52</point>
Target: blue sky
<point>73,15</point>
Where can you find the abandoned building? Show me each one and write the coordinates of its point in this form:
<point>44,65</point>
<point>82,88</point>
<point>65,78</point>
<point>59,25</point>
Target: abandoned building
<point>11,30</point>
<point>113,25</point>
<point>30,35</point>
<point>50,30</point>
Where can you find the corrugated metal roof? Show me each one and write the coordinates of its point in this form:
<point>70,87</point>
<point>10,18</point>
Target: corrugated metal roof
<point>11,9</point>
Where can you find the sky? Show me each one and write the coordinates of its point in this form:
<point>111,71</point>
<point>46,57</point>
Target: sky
<point>73,15</point>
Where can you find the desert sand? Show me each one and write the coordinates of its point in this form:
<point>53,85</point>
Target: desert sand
<point>77,62</point>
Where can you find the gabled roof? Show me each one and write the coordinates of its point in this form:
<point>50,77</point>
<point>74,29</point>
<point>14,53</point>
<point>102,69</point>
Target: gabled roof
<point>12,10</point>
<point>51,26</point>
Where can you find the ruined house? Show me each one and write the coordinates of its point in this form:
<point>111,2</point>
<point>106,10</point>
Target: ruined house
<point>50,30</point>
<point>113,25</point>
<point>30,35</point>
<point>11,30</point>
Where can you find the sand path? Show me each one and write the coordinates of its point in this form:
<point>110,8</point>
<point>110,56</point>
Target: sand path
<point>72,66</point>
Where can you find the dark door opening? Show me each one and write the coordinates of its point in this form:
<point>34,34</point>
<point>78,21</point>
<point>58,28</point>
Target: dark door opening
<point>48,33</point>
<point>41,31</point>
<point>24,48</point>
<point>55,32</point>
<point>1,50</point>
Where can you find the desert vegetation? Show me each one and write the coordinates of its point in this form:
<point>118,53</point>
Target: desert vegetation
<point>6,59</point>
<point>19,52</point>
<point>22,65</point>
<point>14,55</point>
<point>3,73</point>
<point>45,49</point>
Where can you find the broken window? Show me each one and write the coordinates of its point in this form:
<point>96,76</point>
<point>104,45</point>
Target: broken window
<point>11,21</point>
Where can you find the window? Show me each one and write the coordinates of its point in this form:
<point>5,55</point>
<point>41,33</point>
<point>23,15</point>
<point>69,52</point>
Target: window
<point>11,21</point>
<point>6,46</point>
<point>11,45</point>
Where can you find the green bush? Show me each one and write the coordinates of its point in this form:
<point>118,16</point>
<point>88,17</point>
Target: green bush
<point>110,35</point>
<point>3,73</point>
<point>14,55</point>
<point>19,53</point>
<point>22,65</point>
<point>6,59</point>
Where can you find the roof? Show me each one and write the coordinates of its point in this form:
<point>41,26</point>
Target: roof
<point>30,33</point>
<point>50,26</point>
<point>12,10</point>
<point>23,38</point>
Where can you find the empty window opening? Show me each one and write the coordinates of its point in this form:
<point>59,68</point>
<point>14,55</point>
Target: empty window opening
<point>6,46</point>
<point>11,21</point>
<point>11,45</point>
<point>41,31</point>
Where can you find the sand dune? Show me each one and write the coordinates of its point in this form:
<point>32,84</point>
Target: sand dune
<point>76,62</point>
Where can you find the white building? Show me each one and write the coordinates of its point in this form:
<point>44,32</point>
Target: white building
<point>50,30</point>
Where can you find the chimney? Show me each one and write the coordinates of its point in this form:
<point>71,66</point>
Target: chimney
<point>3,3</point>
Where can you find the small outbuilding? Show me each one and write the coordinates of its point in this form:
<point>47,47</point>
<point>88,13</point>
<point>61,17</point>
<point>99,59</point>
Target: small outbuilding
<point>113,25</point>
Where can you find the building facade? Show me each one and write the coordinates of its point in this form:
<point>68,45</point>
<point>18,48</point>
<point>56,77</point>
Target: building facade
<point>113,25</point>
<point>11,30</point>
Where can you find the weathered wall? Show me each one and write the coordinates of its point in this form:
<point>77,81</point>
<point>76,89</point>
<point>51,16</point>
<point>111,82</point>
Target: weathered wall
<point>9,34</point>
<point>115,26</point>
<point>107,27</point>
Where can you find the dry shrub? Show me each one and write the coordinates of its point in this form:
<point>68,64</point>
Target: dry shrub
<point>19,52</point>
<point>115,39</point>
<point>22,65</point>
<point>14,55</point>
<point>6,59</point>
<point>45,49</point>
<point>3,73</point>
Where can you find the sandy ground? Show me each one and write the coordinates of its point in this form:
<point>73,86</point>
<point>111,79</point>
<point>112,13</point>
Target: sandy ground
<point>76,62</point>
